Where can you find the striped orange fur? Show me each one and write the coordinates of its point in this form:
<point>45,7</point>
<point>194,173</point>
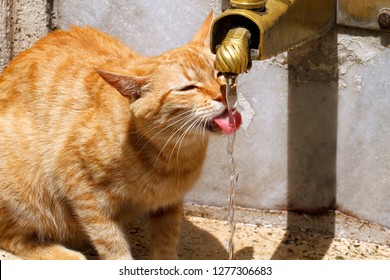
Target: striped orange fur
<point>92,134</point>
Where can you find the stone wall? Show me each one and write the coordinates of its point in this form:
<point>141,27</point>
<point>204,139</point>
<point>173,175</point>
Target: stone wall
<point>22,22</point>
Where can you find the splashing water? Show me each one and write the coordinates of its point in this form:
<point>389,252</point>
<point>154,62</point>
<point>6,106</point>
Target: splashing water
<point>231,99</point>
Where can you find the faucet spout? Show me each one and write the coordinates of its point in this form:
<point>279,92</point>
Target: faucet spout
<point>232,55</point>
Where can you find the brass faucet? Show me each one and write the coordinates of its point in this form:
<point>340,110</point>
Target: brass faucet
<point>233,54</point>
<point>258,29</point>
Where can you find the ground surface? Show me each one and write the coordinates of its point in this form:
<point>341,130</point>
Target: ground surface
<point>203,238</point>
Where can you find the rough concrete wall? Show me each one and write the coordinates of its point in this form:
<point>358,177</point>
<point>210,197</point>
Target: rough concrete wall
<point>5,32</point>
<point>22,23</point>
<point>363,137</point>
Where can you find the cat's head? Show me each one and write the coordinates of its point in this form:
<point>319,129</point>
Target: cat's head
<point>177,92</point>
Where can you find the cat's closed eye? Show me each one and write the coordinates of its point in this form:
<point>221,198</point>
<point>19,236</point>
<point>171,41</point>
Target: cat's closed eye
<point>188,88</point>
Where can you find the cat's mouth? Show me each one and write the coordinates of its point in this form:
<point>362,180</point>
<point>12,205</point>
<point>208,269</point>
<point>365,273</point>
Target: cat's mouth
<point>222,123</point>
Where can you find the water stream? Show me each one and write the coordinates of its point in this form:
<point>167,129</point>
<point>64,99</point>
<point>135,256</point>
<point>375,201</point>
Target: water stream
<point>231,98</point>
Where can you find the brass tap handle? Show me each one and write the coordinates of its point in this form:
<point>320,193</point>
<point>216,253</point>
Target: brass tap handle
<point>233,53</point>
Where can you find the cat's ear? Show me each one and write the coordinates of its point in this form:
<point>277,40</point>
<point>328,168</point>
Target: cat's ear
<point>128,85</point>
<point>202,35</point>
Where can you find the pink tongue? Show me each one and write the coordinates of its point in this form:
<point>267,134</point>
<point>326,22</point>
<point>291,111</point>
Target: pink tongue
<point>223,122</point>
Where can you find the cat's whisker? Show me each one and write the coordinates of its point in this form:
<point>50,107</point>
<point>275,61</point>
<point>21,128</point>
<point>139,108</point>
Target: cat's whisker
<point>165,125</point>
<point>189,120</point>
<point>203,130</point>
<point>159,132</point>
<point>200,128</point>
<point>181,139</point>
<point>153,126</point>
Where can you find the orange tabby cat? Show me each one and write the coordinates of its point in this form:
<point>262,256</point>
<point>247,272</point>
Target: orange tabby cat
<point>92,134</point>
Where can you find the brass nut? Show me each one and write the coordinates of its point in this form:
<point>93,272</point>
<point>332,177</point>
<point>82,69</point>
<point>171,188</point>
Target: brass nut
<point>384,18</point>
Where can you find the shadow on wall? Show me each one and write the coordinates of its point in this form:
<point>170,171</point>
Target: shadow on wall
<point>312,137</point>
